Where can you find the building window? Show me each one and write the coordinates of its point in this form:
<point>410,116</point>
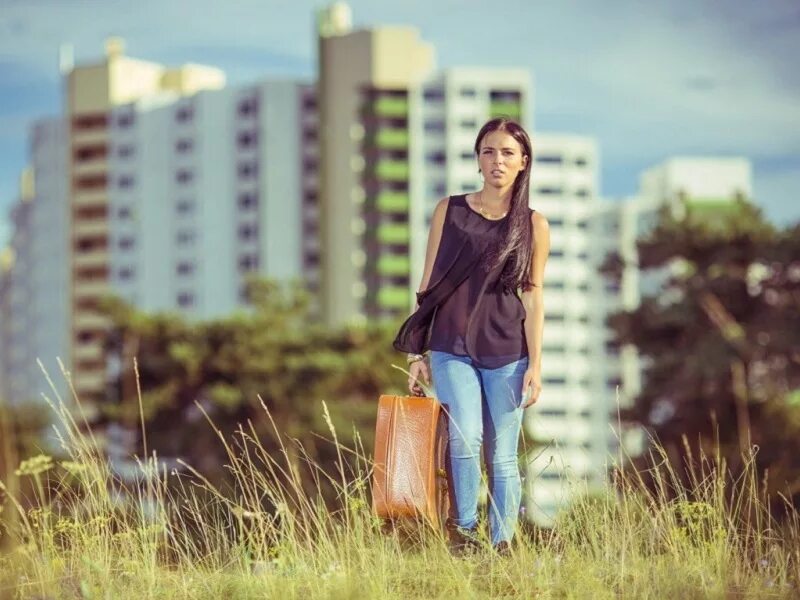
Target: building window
<point>246,139</point>
<point>185,237</point>
<point>556,253</point>
<point>124,212</point>
<point>553,412</point>
<point>469,124</point>
<point>247,200</point>
<point>436,126</point>
<point>184,176</point>
<point>434,94</point>
<point>554,318</point>
<point>247,107</point>
<point>580,161</point>
<point>126,243</point>
<point>247,231</point>
<point>555,380</point>
<point>468,92</point>
<point>185,299</point>
<point>247,170</point>
<point>468,155</point>
<point>555,221</point>
<point>185,207</point>
<point>125,151</point>
<point>184,146</point>
<point>582,192</point>
<point>125,181</point>
<point>549,191</point>
<point>184,268</point>
<point>184,114</point>
<point>125,273</point>
<point>436,157</point>
<point>125,120</point>
<point>549,159</point>
<point>248,262</point>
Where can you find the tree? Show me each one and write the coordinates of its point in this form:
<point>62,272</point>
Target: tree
<point>720,341</point>
<point>272,350</point>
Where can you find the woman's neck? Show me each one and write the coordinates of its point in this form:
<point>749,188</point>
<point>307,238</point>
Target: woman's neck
<point>495,199</point>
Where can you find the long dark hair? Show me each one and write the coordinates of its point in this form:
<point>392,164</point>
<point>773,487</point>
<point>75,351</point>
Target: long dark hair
<point>518,233</point>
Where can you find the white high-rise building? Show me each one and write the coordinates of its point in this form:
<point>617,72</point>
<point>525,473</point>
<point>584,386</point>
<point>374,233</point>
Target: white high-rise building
<point>36,271</point>
<point>570,420</point>
<point>205,190</point>
<point>168,192</point>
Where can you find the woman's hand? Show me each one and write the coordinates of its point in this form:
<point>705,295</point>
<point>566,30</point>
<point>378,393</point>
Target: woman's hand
<point>531,388</point>
<point>418,369</point>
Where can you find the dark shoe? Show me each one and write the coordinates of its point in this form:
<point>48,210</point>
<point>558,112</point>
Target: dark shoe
<point>503,549</point>
<point>463,542</point>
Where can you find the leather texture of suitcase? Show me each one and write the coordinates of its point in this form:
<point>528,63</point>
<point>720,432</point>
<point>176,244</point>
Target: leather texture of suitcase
<point>409,477</point>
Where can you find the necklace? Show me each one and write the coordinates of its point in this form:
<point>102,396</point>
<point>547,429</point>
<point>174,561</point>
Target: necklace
<point>486,214</point>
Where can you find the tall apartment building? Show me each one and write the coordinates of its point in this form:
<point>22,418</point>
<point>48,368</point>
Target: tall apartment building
<point>165,188</point>
<point>365,176</point>
<point>35,271</point>
<point>92,93</point>
<point>396,137</point>
<point>570,420</point>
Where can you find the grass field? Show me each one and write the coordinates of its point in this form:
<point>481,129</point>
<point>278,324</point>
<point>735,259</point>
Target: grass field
<point>83,533</point>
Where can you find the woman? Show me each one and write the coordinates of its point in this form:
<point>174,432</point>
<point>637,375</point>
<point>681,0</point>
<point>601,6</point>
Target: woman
<point>484,338</point>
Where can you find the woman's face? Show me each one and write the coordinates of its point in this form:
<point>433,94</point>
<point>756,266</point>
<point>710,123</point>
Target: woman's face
<point>501,159</point>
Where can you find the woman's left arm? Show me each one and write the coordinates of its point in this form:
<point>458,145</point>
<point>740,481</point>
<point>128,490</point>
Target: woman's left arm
<point>533,301</point>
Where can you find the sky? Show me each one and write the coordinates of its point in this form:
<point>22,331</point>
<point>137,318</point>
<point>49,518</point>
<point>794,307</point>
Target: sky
<point>647,80</point>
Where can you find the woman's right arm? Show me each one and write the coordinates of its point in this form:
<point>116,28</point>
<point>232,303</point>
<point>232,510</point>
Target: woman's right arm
<point>434,237</point>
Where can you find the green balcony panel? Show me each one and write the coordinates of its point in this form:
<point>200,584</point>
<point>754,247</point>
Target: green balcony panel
<point>393,233</point>
<point>392,201</point>
<point>391,107</point>
<point>392,170</point>
<point>509,109</point>
<point>392,138</point>
<point>394,265</point>
<point>394,297</point>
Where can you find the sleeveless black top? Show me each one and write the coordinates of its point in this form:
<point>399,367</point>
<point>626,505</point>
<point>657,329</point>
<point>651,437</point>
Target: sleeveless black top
<point>464,310</point>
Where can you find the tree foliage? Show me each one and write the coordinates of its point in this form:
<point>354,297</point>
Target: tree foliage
<point>273,350</point>
<point>720,340</point>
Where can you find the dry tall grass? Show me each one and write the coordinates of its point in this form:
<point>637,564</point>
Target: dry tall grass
<point>85,533</point>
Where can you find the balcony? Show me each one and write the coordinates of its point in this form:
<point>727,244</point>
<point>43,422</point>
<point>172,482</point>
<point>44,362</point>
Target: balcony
<point>392,139</point>
<point>87,351</point>
<point>393,233</point>
<point>394,265</point>
<point>84,319</point>
<point>91,289</point>
<point>86,137</point>
<point>394,297</point>
<point>391,107</point>
<point>392,170</point>
<point>392,202</point>
<point>90,227</point>
<point>96,258</point>
<point>90,167</point>
<point>505,109</point>
<point>82,199</point>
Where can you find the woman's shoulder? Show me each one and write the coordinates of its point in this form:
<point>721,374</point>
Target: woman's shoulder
<point>539,221</point>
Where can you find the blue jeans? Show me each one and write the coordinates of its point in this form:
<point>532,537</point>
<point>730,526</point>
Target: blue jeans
<point>483,405</point>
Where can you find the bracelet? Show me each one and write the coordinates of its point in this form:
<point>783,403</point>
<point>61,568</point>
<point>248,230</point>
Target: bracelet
<point>410,358</point>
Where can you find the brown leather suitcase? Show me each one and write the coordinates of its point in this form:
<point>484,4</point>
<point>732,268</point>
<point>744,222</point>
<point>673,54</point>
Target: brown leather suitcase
<point>409,477</point>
